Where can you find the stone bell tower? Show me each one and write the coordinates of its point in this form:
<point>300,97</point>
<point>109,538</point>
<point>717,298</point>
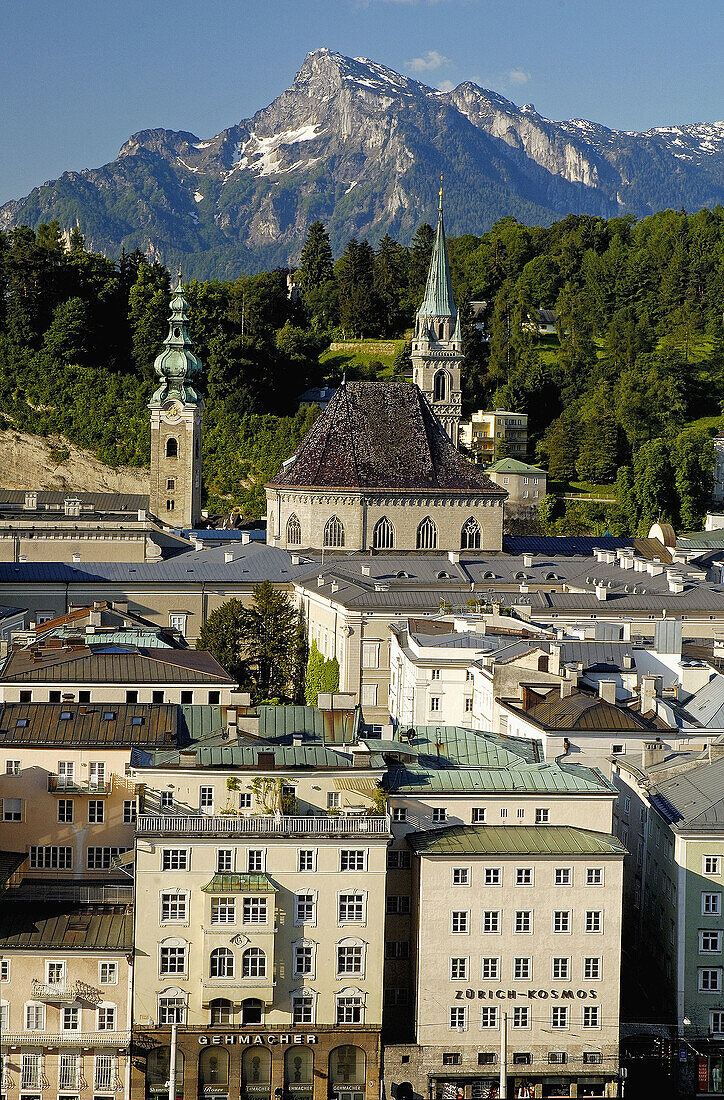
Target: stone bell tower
<point>437,346</point>
<point>176,415</point>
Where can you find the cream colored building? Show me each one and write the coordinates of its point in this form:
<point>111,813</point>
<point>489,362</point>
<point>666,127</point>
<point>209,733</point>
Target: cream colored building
<point>518,951</point>
<point>526,485</point>
<point>65,996</point>
<point>488,435</point>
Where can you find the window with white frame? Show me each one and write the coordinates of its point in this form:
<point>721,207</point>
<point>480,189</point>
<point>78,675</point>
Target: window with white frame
<point>206,799</point>
<point>709,942</point>
<point>70,1018</point>
<point>710,979</point>
<point>522,968</point>
<point>223,910</point>
<point>489,1016</point>
<point>351,908</point>
<point>303,1008</point>
<point>104,1077</point>
<point>710,904</point>
<point>434,673</point>
<point>524,876</point>
<point>468,704</point>
<point>245,800</point>
<point>108,973</point>
<point>478,815</point>
<point>255,860</point>
<point>458,1018</point>
<point>50,857</point>
<point>460,876</point>
<point>491,920</point>
<point>13,767</point>
<point>591,968</point>
<point>69,1072</point>
<point>221,963</point>
<point>434,703</point>
<point>253,963</point>
<point>493,876</point>
<point>716,1022</point>
<point>4,970</point>
<point>334,800</point>
<point>490,968</point>
<point>712,865</point>
<point>559,1017</point>
<point>370,654</point>
<point>352,859</point>
<point>523,921</point>
<point>305,909</point>
<point>594,920</point>
<point>165,800</point>
<point>368,697</point>
<point>350,959</point>
<point>172,960</point>
<point>172,1009</point>
<point>224,860</point>
<point>350,1007</point>
<point>174,907</point>
<point>594,876</point>
<point>521,1017</point>
<point>307,860</point>
<point>562,876</point>
<point>460,921</point>
<point>542,816</point>
<point>439,814</point>
<point>55,973</point>
<point>303,956</point>
<point>34,1016</point>
<point>561,920</point>
<point>31,1071</point>
<point>254,911</point>
<point>12,809</point>
<point>174,859</point>
<point>129,811</point>
<point>591,1016</point>
<point>96,814</point>
<point>399,813</point>
<point>106,1018</point>
<point>458,969</point>
<point>560,968</point>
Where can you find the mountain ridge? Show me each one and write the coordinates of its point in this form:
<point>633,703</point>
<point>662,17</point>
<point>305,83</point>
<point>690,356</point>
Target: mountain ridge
<point>361,147</point>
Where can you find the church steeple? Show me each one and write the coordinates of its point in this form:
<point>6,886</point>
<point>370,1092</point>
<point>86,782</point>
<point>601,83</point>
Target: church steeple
<point>437,345</point>
<point>176,417</point>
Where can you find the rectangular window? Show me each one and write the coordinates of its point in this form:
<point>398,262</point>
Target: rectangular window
<point>303,959</point>
<point>716,1023</point>
<point>542,816</point>
<point>174,908</point>
<point>171,1010</point>
<point>352,859</point>
<point>166,800</point>
<point>458,1019</point>
<point>709,942</point>
<point>100,859</point>
<point>70,1019</point>
<point>351,908</point>
<point>69,1072</point>
<point>562,876</point>
<point>255,860</point>
<point>591,1016</point>
<point>710,904</point>
<point>493,876</point>
<point>350,1010</point>
<point>489,1016</point>
<point>522,969</point>
<point>51,857</point>
<point>434,703</point>
<point>172,960</point>
<point>399,860</point>
<point>710,980</point>
<point>245,800</point>
<point>35,1017</point>
<point>304,909</point>
<point>4,970</point>
<point>206,799</point>
<point>521,1017</point>
<point>187,697</point>
<point>224,860</point>
<point>561,920</point>
<point>399,813</point>
<point>459,921</point>
<point>13,767</point>
<point>95,811</point>
<point>452,1058</point>
<point>559,1017</point>
<point>107,1018</point>
<point>490,968</point>
<point>461,876</point>
<point>105,1073</point>
<point>302,1009</point>
<point>174,859</point>
<point>491,920</point>
<point>591,968</point>
<point>560,969</point>
<point>594,876</point>
<point>129,811</point>
<point>458,969</point>
<point>349,960</point>
<point>439,814</point>
<point>370,654</point>
<point>504,812</point>
<point>108,973</point>
<point>255,911</point>
<point>478,815</point>
<point>334,800</point>
<point>306,859</point>
<point>66,774</point>
<point>30,1071</point>
<point>523,920</point>
<point>55,973</point>
<point>434,673</point>
<point>177,622</point>
<point>524,876</point>
<point>398,903</point>
<point>223,910</point>
<point>468,704</point>
<point>594,920</point>
<point>12,809</point>
<point>369,695</point>
<point>712,865</point>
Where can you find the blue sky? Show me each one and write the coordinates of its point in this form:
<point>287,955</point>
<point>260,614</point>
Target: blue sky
<point>77,77</point>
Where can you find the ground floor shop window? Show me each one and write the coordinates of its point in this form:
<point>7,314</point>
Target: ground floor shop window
<point>347,1073</point>
<point>592,1088</point>
<point>256,1073</point>
<point>158,1065</point>
<point>214,1072</point>
<point>298,1073</point>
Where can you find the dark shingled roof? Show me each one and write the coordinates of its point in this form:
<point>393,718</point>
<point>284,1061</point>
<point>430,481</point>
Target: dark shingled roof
<point>381,435</point>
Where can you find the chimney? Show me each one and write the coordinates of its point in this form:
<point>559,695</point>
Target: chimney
<point>453,556</point>
<point>607,690</point>
<point>653,753</point>
<point>648,692</point>
<point>320,581</point>
<point>141,515</point>
<point>365,570</point>
<point>245,538</point>
<point>529,697</point>
<point>555,661</point>
<point>121,606</point>
<point>527,561</point>
<point>228,555</point>
<point>76,557</point>
<point>95,618</point>
<point>628,660</point>
<point>601,592</point>
<point>296,559</point>
<point>566,688</point>
<point>334,586</point>
<point>715,750</point>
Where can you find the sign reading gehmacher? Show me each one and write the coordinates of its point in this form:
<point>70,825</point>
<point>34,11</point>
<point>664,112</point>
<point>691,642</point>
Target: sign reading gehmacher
<point>255,1040</point>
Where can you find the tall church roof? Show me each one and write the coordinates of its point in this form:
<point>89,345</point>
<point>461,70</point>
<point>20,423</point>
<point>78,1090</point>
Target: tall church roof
<point>381,435</point>
<point>177,364</point>
<point>438,300</point>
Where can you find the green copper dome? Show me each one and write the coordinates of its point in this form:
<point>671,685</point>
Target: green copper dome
<point>438,300</point>
<point>177,364</point>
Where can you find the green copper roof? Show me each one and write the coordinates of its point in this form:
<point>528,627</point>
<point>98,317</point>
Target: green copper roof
<point>515,840</point>
<point>427,778</point>
<point>438,300</point>
<point>240,884</point>
<point>177,364</point>
<point>513,466</point>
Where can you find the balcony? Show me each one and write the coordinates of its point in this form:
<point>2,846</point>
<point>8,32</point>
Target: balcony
<point>65,993</point>
<point>88,1039</point>
<point>229,825</point>
<point>64,785</point>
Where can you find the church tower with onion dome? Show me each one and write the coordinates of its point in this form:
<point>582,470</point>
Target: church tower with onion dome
<point>176,415</point>
<point>437,346</point>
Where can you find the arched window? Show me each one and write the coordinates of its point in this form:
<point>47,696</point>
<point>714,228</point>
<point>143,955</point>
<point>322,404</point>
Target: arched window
<point>383,536</point>
<point>470,535</point>
<point>221,1012</point>
<point>171,447</point>
<point>256,1072</point>
<point>294,531</point>
<point>252,1011</point>
<point>347,1066</point>
<point>221,963</point>
<point>299,1070</point>
<point>427,535</point>
<point>334,532</point>
<point>253,963</point>
<point>440,383</point>
<point>158,1065</point>
<point>213,1067</point>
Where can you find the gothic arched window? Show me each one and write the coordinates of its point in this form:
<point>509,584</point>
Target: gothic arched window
<point>334,532</point>
<point>440,386</point>
<point>294,531</point>
<point>171,447</point>
<point>383,536</point>
<point>470,535</point>
<point>427,535</point>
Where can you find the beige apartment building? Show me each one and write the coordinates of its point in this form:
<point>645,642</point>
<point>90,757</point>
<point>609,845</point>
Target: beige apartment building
<point>65,999</point>
<point>517,950</point>
<point>492,435</point>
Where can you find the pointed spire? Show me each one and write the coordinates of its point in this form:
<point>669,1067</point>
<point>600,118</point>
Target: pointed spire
<point>177,364</point>
<point>458,333</point>
<point>438,300</point>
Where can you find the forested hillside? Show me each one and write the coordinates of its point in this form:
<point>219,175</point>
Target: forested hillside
<point>626,396</point>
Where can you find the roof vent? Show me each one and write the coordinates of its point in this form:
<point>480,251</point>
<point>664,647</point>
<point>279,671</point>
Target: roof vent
<point>453,555</point>
<point>365,570</point>
<point>528,561</point>
<point>296,559</point>
<point>228,555</point>
<point>320,580</point>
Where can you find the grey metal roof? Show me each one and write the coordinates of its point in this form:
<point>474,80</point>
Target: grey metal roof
<point>37,925</point>
<point>706,706</point>
<point>562,544</point>
<point>597,656</point>
<point>130,724</point>
<point>528,840</point>
<point>458,746</point>
<point>461,640</point>
<point>438,299</point>
<point>695,798</point>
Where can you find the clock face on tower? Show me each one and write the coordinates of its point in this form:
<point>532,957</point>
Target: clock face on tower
<point>172,409</point>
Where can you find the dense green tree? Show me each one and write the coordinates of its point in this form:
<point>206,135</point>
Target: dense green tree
<point>272,644</point>
<point>693,461</point>
<point>315,263</point>
<point>329,680</point>
<point>313,682</point>
<point>67,337</point>
<point>224,636</point>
